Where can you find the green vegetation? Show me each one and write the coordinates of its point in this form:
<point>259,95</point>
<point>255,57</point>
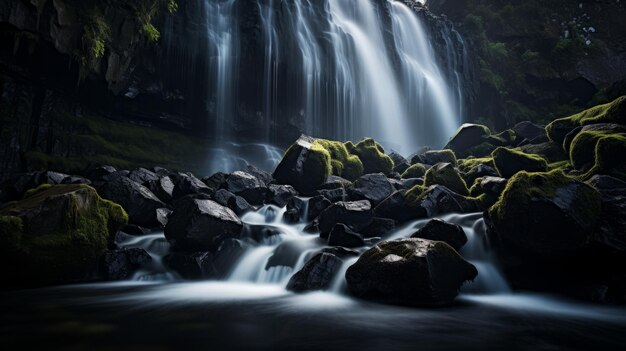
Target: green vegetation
<point>613,112</point>
<point>343,163</point>
<point>445,174</point>
<point>415,171</point>
<point>508,162</point>
<point>372,155</point>
<point>466,165</point>
<point>96,141</point>
<point>514,205</point>
<point>70,243</point>
<point>609,156</point>
<point>413,196</point>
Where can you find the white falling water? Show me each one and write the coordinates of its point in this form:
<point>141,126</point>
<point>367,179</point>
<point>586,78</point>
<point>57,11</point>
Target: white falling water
<point>339,69</point>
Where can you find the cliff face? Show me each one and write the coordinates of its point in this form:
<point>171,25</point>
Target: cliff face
<point>542,59</point>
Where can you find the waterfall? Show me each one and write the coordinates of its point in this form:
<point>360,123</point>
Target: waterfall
<point>264,71</point>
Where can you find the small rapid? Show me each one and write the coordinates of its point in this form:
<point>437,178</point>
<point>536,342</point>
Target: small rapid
<point>284,249</point>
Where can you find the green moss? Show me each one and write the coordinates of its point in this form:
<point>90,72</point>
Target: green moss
<point>609,157</point>
<point>480,150</point>
<point>415,171</point>
<point>612,112</point>
<point>306,165</point>
<point>561,165</point>
<point>99,141</point>
<point>504,138</point>
<point>515,202</point>
<point>372,156</point>
<point>510,161</point>
<point>68,250</point>
<point>413,196</point>
<point>445,174</point>
<point>343,163</point>
<point>583,146</point>
<point>466,165</point>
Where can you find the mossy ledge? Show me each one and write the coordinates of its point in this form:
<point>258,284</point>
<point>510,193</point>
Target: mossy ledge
<point>56,234</point>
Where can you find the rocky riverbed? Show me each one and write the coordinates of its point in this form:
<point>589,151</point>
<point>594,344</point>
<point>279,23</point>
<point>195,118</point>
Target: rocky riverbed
<point>553,198</point>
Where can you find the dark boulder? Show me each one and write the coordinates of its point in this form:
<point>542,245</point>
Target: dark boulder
<point>529,130</point>
<point>188,184</point>
<point>355,214</point>
<point>414,272</point>
<point>163,188</point>
<point>138,201</point>
<point>240,181</point>
<point>401,164</point>
<point>334,195</point>
<point>305,166</point>
<point>379,227</point>
<point>56,234</point>
<point>439,230</point>
<point>260,174</point>
<point>216,181</point>
<point>466,137</point>
<point>335,182</point>
<point>481,170</point>
<point>373,187</point>
<point>295,211</point>
<point>143,176</point>
<point>438,200</point>
<point>394,207</point>
<point>491,187</point>
<point>99,173</point>
<point>201,225</point>
<point>317,204</point>
<point>317,274</point>
<point>121,264</point>
<point>191,266</point>
<point>508,162</point>
<point>343,236</point>
<point>434,157</point>
<point>281,194</point>
<point>549,150</point>
<point>162,216</point>
<point>238,204</point>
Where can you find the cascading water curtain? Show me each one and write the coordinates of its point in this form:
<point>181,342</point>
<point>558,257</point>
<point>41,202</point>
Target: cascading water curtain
<point>342,69</point>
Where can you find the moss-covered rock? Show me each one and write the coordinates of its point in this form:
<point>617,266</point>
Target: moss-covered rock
<point>466,165</point>
<point>306,165</point>
<point>544,214</point>
<point>415,171</point>
<point>56,234</point>
<point>609,157</point>
<point>613,112</point>
<point>504,138</point>
<point>445,174</point>
<point>509,161</point>
<point>343,163</point>
<point>372,155</point>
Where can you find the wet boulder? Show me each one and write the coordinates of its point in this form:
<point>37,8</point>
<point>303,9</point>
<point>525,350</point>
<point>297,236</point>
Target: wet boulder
<point>295,211</point>
<point>355,214</point>
<point>317,204</point>
<point>201,225</point>
<point>305,166</point>
<point>216,181</point>
<point>162,187</point>
<point>414,272</point>
<point>445,174</point>
<point>334,182</point>
<point>343,236</point>
<point>16,186</point>
<point>379,227</point>
<point>191,266</point>
<point>56,234</point>
<point>400,164</point>
<point>121,264</point>
<point>334,195</point>
<point>480,170</point>
<point>238,204</point>
<point>260,174</point>
<point>541,226</point>
<point>240,181</point>
<point>188,184</point>
<point>317,274</point>
<point>396,207</point>
<point>529,130</point>
<point>436,156</point>
<point>373,187</point>
<point>467,136</point>
<point>372,155</point>
<point>138,201</point>
<point>438,199</point>
<point>508,162</point>
<point>279,195</point>
<point>415,171</point>
<point>142,176</point>
<point>549,150</point>
<point>440,230</point>
<point>98,174</point>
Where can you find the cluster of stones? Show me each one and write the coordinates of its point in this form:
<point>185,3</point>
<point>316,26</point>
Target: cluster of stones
<point>554,200</point>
